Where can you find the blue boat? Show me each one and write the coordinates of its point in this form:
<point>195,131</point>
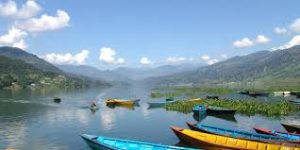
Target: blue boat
<point>199,109</point>
<point>235,133</point>
<point>106,143</point>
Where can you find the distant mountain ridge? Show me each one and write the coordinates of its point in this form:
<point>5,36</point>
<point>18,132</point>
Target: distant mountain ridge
<point>260,65</point>
<point>125,73</point>
<point>24,69</point>
<point>16,53</point>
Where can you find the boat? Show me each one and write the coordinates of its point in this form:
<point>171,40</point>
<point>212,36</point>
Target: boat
<point>254,94</point>
<point>57,99</point>
<point>233,133</point>
<point>106,143</point>
<point>212,97</point>
<point>219,110</point>
<point>212,141</point>
<point>93,108</point>
<point>160,104</point>
<point>294,101</point>
<point>121,102</point>
<point>289,136</point>
<point>212,110</point>
<point>291,128</point>
<point>199,109</point>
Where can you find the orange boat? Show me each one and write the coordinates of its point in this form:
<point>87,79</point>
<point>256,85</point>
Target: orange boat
<point>212,141</point>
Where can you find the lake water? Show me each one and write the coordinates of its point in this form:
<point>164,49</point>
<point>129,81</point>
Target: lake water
<point>29,119</point>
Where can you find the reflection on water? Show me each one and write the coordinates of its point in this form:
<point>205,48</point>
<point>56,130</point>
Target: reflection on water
<point>31,120</point>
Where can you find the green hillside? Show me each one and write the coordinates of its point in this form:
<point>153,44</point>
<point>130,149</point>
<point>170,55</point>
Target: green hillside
<point>17,73</point>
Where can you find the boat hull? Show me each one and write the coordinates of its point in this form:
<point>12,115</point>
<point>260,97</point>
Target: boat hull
<point>104,143</point>
<point>92,143</point>
<point>291,128</point>
<point>235,134</point>
<point>212,141</point>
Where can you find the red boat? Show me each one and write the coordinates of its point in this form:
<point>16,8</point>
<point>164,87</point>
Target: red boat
<point>294,137</point>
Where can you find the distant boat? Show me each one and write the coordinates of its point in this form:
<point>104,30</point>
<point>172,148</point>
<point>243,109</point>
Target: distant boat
<point>254,94</point>
<point>290,136</point>
<point>212,97</point>
<point>212,141</point>
<point>291,128</point>
<point>294,101</point>
<point>220,110</point>
<point>212,110</point>
<point>106,143</point>
<point>161,104</point>
<point>233,133</point>
<point>57,99</point>
<point>121,102</point>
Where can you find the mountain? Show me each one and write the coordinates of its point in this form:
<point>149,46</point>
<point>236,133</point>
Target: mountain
<point>125,74</point>
<point>16,53</point>
<point>159,71</point>
<point>267,65</point>
<point>15,72</point>
<point>18,67</point>
<point>93,73</point>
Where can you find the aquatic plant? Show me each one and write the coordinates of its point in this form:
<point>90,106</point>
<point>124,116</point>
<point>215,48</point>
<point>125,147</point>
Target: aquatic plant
<point>251,107</point>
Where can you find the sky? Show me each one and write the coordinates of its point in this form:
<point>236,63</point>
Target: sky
<point>137,33</point>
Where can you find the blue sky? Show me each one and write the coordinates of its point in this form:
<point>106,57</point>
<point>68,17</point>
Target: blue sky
<point>161,31</point>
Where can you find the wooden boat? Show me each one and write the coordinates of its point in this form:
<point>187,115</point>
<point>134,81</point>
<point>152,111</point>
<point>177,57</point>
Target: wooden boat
<point>199,109</point>
<point>105,143</point>
<point>212,97</point>
<point>57,99</point>
<point>212,110</point>
<point>212,141</point>
<point>288,135</point>
<point>291,128</point>
<point>294,101</point>
<point>254,94</point>
<point>121,102</point>
<point>221,110</point>
<point>233,133</point>
<point>159,104</point>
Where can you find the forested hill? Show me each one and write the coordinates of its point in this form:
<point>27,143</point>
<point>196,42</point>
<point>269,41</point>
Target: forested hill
<point>16,53</point>
<point>280,64</point>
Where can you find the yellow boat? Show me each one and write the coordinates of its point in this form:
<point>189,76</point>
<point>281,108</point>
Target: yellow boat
<point>211,141</point>
<point>120,102</point>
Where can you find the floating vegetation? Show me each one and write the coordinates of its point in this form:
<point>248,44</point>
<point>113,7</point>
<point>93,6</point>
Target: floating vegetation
<point>189,91</point>
<point>251,107</point>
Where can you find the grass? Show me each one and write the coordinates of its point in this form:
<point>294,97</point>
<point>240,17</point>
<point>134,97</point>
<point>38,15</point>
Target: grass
<point>251,107</point>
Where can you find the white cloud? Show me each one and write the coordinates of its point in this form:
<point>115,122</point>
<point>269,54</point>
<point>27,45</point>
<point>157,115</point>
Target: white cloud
<point>14,37</point>
<point>175,59</point>
<point>8,9</point>
<point>205,57</point>
<point>208,60</point>
<point>45,22</point>
<point>279,30</point>
<point>68,58</point>
<point>145,61</point>
<point>293,42</point>
<point>243,43</point>
<point>262,39</point>
<point>224,56</point>
<point>108,55</point>
<point>212,61</point>
<point>295,26</point>
<point>27,10</point>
